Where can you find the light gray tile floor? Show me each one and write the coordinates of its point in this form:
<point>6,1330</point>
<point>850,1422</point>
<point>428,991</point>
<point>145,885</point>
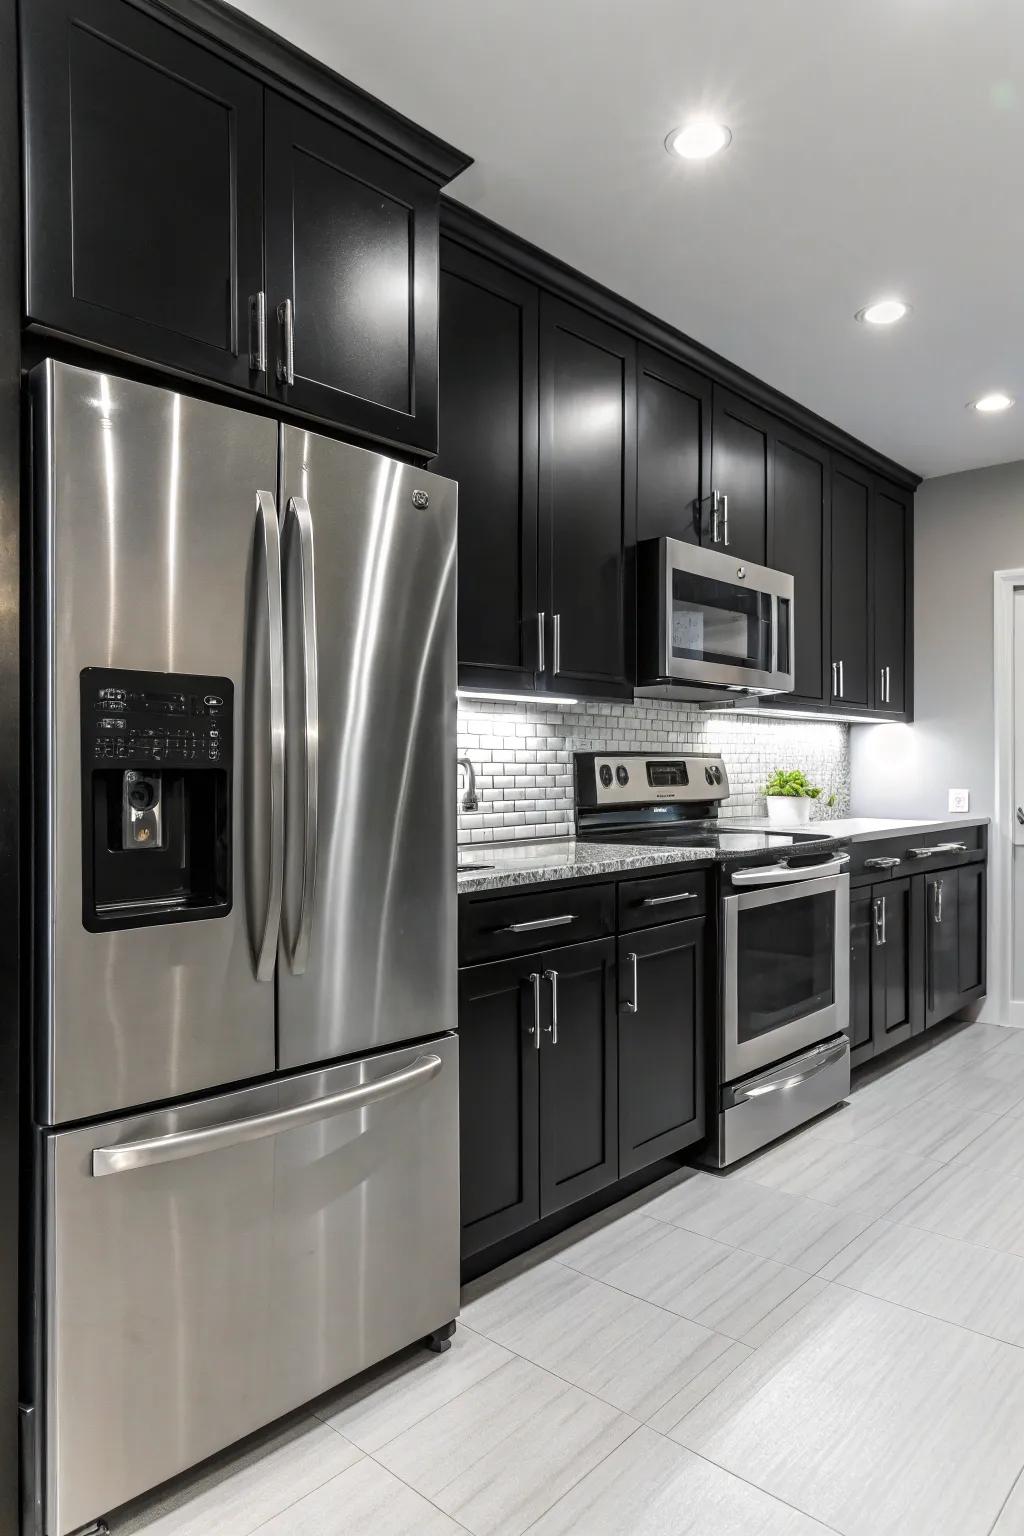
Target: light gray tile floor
<point>828,1339</point>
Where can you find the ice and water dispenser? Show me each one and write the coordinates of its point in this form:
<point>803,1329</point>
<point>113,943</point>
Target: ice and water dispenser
<point>156,785</point>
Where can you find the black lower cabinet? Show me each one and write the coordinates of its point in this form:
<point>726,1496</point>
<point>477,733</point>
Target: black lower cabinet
<point>661,991</point>
<point>578,1058</point>
<point>971,923</point>
<point>861,1042</point>
<point>537,1087</point>
<point>941,957</point>
<point>498,1101</point>
<point>891,965</point>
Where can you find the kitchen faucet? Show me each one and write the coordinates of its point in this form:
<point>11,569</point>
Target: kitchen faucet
<point>469,799</point>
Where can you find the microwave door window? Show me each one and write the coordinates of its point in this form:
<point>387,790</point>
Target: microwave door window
<point>785,963</point>
<point>714,621</point>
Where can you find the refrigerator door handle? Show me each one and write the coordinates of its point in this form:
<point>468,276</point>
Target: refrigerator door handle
<point>154,1151</point>
<point>268,532</point>
<point>298,511</point>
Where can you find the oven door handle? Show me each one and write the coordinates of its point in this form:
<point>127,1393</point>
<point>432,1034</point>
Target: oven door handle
<point>781,874</point>
<point>783,1080</point>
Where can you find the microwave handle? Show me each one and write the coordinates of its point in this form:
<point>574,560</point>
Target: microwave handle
<point>775,637</point>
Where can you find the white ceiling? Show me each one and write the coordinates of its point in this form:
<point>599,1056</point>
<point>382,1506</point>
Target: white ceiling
<point>878,148</point>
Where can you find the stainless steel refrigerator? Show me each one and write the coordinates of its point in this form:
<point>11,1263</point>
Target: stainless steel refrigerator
<point>246,1076</point>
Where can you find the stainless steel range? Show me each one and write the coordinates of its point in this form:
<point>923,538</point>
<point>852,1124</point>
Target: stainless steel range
<point>782,938</point>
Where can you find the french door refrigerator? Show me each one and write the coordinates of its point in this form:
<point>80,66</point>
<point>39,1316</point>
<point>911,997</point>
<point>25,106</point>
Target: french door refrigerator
<point>246,1080</point>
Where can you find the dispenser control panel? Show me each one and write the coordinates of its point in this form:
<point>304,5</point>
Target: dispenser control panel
<point>135,718</point>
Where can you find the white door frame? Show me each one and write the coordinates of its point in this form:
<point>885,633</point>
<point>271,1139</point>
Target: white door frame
<point>1001,1006</point>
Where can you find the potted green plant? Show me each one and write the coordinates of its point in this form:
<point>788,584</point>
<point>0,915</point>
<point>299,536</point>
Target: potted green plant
<point>788,795</point>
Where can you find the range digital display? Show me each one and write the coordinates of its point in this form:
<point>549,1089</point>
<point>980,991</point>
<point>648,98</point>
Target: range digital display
<point>667,775</point>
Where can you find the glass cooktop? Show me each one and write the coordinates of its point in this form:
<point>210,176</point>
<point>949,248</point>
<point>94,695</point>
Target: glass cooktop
<point>677,835</point>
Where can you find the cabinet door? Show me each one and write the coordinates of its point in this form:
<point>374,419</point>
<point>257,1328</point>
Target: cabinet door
<point>851,499</point>
<point>487,441</point>
<point>578,1079</point>
<point>861,942</point>
<point>673,448</point>
<point>891,515</point>
<point>741,471</point>
<point>971,913</point>
<point>587,498</point>
<point>661,1026</point>
<point>942,980</point>
<point>144,188</point>
<point>799,541</point>
<point>352,245</point>
<point>891,971</point>
<point>498,1100</point>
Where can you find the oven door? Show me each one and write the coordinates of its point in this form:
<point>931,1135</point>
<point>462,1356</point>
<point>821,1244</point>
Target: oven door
<point>785,966</point>
<point>721,623</point>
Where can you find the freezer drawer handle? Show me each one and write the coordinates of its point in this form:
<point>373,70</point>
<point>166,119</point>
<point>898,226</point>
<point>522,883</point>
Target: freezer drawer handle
<point>662,901</point>
<point>269,535</point>
<point>780,1084</point>
<point>300,518</point>
<point>211,1138</point>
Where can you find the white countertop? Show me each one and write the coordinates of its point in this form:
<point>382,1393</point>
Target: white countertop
<point>864,829</point>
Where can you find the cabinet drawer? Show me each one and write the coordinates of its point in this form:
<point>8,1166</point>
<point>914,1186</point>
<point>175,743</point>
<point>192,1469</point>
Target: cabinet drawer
<point>663,899</point>
<point>511,924</point>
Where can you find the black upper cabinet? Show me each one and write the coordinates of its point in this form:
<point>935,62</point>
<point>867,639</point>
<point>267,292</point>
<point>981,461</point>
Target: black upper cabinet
<point>849,680</point>
<point>352,241</point>
<point>587,502</point>
<point>144,188</point>
<point>741,474</point>
<point>488,443</point>
<point>661,1020</point>
<point>799,541</point>
<point>891,532</point>
<point>673,448</point>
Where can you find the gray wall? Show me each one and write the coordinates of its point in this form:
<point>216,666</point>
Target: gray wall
<point>966,526</point>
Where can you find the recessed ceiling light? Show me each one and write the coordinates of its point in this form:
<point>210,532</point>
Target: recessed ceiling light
<point>885,312</point>
<point>699,139</point>
<point>996,401</point>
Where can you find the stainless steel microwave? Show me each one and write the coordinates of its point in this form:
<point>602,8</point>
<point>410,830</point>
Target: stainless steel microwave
<point>709,625</point>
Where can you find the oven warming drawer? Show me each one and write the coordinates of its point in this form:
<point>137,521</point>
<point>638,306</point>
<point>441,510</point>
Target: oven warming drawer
<point>764,1107</point>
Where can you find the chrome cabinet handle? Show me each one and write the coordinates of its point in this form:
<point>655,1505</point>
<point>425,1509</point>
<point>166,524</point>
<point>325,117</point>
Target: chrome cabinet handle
<point>938,905</point>
<point>662,901</point>
<point>286,356</point>
<point>268,538</point>
<point>921,853</point>
<point>556,642</point>
<point>885,919</point>
<point>715,499</point>
<point>536,923</point>
<point>888,685</point>
<point>725,521</point>
<point>552,977</point>
<point>883,861</point>
<point>842,682</point>
<point>299,518</point>
<point>876,914</point>
<point>950,847</point>
<point>633,1005</point>
<point>541,621</point>
<point>534,1028</point>
<point>154,1150</point>
<point>258,332</point>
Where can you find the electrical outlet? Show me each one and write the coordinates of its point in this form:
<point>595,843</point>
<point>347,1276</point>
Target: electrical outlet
<point>959,800</point>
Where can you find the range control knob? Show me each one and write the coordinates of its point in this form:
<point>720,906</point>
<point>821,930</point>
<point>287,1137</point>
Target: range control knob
<point>622,774</point>
<point>605,775</point>
<point>718,774</point>
<point>709,775</point>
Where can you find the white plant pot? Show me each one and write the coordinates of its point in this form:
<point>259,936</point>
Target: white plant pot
<point>788,810</point>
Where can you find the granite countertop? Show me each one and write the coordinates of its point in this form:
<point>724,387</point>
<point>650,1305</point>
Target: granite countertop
<point>495,866</point>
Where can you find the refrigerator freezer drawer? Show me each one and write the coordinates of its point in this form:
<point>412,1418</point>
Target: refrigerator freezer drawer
<point>213,1266</point>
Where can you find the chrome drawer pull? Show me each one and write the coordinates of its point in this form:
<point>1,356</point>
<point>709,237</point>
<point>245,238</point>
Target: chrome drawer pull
<point>634,1005</point>
<point>534,1028</point>
<point>537,923</point>
<point>882,862</point>
<point>552,976</point>
<point>950,847</point>
<point>663,901</point>
<point>921,853</point>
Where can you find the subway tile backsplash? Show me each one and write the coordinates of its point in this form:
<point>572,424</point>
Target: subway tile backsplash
<point>522,754</point>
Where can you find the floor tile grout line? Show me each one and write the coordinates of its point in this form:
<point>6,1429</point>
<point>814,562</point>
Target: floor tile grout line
<point>1002,1507</point>
<point>418,1492</point>
<point>932,1316</point>
<point>600,1463</point>
<point>796,1508</point>
<point>361,1456</point>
